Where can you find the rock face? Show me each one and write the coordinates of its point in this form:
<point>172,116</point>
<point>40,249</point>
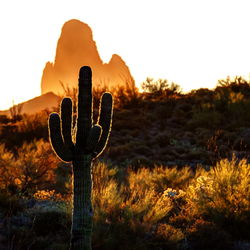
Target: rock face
<point>76,48</point>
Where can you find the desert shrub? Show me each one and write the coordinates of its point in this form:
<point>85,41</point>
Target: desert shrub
<point>160,178</point>
<point>225,106</point>
<point>8,136</point>
<point>112,227</point>
<point>230,103</point>
<point>127,213</point>
<point>126,96</point>
<point>145,204</point>
<point>236,84</point>
<point>202,95</point>
<point>105,187</point>
<point>222,195</point>
<point>34,126</point>
<point>6,159</point>
<point>152,86</point>
<point>29,171</point>
<point>160,87</point>
<point>147,192</point>
<point>29,128</point>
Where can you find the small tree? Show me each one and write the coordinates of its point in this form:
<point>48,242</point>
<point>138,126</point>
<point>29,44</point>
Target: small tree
<point>160,87</point>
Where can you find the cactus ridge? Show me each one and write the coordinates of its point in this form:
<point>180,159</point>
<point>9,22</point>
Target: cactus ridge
<point>90,139</point>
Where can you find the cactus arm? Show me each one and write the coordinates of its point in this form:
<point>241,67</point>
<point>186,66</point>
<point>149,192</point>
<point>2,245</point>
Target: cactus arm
<point>84,120</point>
<point>105,120</point>
<point>56,139</point>
<point>93,138</point>
<point>66,117</point>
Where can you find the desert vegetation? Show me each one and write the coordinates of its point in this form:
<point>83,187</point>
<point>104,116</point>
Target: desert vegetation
<point>175,173</point>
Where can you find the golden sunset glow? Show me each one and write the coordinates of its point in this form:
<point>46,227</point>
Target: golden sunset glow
<point>193,43</point>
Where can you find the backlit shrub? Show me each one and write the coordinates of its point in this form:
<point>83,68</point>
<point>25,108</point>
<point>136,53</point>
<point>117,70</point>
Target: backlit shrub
<point>28,171</point>
<point>223,196</point>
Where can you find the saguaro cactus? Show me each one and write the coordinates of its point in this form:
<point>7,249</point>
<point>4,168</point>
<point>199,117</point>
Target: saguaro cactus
<point>80,145</point>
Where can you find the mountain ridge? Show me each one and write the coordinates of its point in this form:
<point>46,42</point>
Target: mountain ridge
<point>35,105</point>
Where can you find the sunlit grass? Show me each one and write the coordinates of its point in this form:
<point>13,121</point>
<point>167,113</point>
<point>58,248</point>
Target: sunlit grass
<point>157,206</point>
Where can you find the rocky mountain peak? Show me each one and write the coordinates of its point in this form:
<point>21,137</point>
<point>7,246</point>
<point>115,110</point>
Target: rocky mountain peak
<point>76,48</point>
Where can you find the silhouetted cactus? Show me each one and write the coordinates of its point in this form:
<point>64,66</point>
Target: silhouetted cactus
<point>80,145</point>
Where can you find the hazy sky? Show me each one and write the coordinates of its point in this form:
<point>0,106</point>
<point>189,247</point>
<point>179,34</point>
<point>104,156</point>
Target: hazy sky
<point>191,42</point>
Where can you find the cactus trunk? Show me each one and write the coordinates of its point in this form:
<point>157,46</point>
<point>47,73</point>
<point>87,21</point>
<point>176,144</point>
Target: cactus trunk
<point>82,205</point>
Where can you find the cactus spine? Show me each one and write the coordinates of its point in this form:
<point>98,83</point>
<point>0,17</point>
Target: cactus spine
<point>80,145</point>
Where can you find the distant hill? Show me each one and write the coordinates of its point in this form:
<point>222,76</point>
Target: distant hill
<point>37,104</point>
<point>76,48</point>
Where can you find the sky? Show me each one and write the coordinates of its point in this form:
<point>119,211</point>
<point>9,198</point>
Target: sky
<point>191,42</point>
